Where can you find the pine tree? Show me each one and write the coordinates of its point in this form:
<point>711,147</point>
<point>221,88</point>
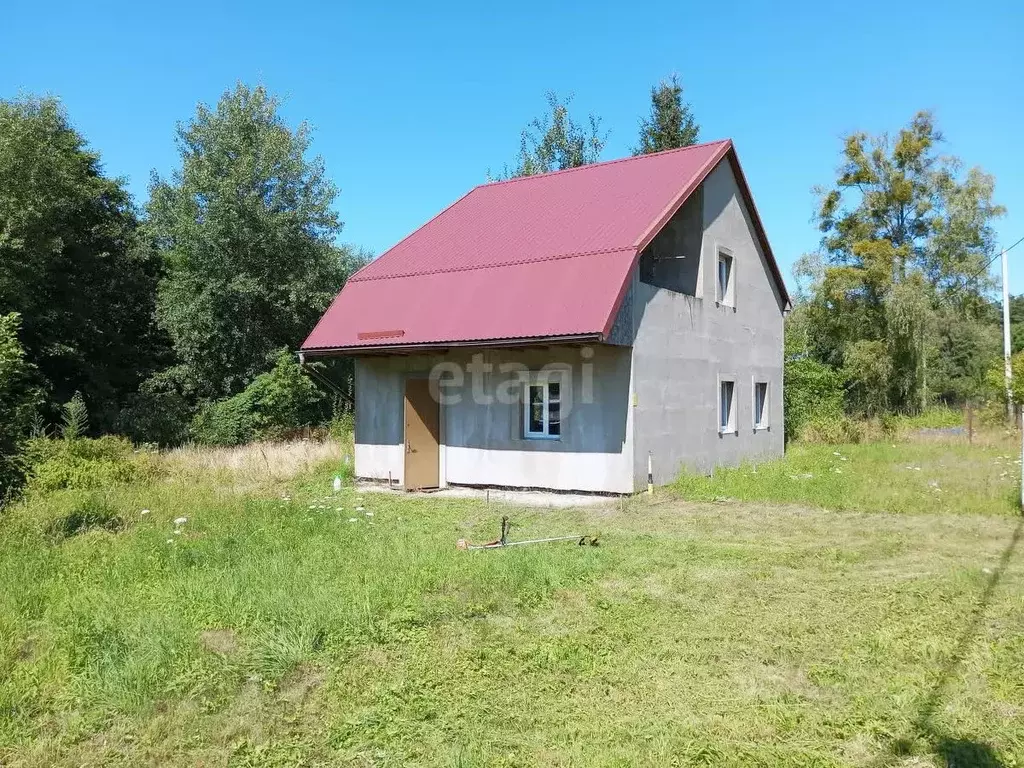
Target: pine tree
<point>671,124</point>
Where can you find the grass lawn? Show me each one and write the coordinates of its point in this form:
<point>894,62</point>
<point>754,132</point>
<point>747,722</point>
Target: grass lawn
<point>283,625</point>
<point>904,477</point>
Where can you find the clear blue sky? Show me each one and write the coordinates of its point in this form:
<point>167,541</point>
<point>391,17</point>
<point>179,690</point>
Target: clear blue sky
<point>412,103</point>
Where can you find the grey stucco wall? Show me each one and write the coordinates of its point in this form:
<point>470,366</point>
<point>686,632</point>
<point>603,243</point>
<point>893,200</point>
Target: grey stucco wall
<point>672,260</point>
<point>684,344</point>
<point>482,437</point>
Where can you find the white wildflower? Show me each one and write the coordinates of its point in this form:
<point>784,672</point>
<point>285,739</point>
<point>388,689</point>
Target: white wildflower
<point>144,512</point>
<point>180,520</point>
<point>352,520</point>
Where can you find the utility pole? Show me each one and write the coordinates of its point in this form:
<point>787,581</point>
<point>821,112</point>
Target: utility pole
<point>1007,370</point>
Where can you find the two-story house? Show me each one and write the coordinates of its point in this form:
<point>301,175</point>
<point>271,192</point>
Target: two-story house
<point>569,331</point>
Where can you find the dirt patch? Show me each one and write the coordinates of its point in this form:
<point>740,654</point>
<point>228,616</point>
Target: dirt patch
<point>296,687</point>
<point>223,642</point>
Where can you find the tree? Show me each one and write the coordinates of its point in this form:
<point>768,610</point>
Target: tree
<point>246,229</point>
<point>671,124</point>
<point>71,263</point>
<point>906,238</point>
<point>556,141</point>
<point>19,398</point>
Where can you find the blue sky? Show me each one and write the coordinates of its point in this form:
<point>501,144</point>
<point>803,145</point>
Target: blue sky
<point>411,103</point>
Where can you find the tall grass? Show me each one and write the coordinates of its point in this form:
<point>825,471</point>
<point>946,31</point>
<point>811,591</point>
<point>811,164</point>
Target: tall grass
<point>287,624</point>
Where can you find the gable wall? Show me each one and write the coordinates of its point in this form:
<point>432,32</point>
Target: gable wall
<point>684,344</point>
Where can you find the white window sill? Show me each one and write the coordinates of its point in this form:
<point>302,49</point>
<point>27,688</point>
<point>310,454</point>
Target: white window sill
<point>727,430</point>
<point>542,437</point>
<point>763,428</point>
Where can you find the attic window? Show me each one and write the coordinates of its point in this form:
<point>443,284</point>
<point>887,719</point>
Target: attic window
<point>725,288</point>
<point>542,411</point>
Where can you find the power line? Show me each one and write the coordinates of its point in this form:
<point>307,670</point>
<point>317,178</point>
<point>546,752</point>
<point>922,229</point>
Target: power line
<point>988,264</point>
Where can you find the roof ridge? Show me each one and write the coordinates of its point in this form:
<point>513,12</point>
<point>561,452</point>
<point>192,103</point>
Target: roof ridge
<point>601,163</point>
<point>510,263</point>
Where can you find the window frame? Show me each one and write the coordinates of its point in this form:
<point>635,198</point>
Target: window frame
<point>725,296</point>
<point>545,383</point>
<point>765,422</point>
<point>731,427</point>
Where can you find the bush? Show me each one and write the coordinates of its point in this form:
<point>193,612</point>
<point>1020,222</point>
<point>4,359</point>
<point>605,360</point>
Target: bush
<point>19,401</point>
<point>277,402</point>
<point>159,412</point>
<point>83,463</point>
<point>226,422</point>
<point>813,394</point>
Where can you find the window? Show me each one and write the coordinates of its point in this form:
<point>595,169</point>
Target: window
<point>760,405</point>
<point>542,416</point>
<point>726,291</point>
<point>727,407</point>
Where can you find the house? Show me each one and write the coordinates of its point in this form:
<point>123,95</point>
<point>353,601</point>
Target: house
<point>568,330</point>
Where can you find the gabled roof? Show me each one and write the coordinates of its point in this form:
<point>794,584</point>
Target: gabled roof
<point>539,257</point>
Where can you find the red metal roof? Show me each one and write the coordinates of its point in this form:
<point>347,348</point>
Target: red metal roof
<point>535,257</point>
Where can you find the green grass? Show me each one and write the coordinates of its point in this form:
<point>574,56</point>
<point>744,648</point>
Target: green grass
<point>274,631</point>
<point>923,477</point>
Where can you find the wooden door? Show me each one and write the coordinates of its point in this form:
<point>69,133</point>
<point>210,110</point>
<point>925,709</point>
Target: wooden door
<point>422,436</point>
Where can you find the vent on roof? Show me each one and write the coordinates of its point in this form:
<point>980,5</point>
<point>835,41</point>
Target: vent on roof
<point>380,334</point>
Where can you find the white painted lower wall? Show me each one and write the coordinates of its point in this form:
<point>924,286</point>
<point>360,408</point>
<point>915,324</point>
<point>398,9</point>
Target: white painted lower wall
<point>566,471</point>
<point>563,471</point>
<point>376,461</point>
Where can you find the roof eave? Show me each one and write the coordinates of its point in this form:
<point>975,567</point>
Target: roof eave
<point>437,346</point>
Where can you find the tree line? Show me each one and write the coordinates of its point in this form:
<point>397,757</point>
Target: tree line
<point>177,319</point>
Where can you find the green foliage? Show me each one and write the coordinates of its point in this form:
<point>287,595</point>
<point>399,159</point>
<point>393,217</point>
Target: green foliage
<point>898,289</point>
<point>671,124</point>
<point>995,380</point>
<point>555,141</point>
<point>936,417</point>
<point>246,229</point>
<point>813,392</point>
<point>84,464</point>
<point>75,418</point>
<point>160,412</point>
<point>19,400</point>
<point>71,261</point>
<point>276,403</point>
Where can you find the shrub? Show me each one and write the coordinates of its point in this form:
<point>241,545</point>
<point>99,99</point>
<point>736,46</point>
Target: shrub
<point>159,412</point>
<point>226,422</point>
<point>277,402</point>
<point>58,464</point>
<point>19,401</point>
<point>813,393</point>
